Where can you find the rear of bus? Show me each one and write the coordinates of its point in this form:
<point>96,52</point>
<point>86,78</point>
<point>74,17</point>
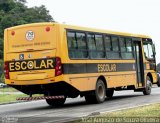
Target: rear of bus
<point>31,62</point>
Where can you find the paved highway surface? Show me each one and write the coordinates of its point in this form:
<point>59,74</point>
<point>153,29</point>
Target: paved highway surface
<point>40,112</point>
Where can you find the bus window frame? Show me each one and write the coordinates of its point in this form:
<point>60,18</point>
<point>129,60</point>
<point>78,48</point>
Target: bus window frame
<point>76,31</point>
<point>103,38</point>
<point>132,52</point>
<point>92,33</point>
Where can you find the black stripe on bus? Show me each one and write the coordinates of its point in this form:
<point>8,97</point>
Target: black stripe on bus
<point>78,68</point>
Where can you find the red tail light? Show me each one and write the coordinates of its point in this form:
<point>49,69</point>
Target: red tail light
<point>58,68</point>
<point>47,29</point>
<point>13,33</point>
<point>6,70</point>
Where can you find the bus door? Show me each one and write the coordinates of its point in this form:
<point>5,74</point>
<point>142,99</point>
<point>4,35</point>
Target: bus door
<point>139,62</point>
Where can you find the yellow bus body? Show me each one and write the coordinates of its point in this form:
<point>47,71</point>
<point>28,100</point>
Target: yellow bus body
<point>50,41</point>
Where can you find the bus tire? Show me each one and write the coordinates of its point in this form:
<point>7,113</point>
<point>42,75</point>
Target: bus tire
<point>147,89</point>
<point>98,95</point>
<point>109,93</point>
<point>56,102</point>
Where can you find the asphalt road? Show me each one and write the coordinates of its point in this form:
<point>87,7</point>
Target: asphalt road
<point>40,112</point>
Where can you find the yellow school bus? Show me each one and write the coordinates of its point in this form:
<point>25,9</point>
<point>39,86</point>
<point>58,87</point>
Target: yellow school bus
<point>57,59</point>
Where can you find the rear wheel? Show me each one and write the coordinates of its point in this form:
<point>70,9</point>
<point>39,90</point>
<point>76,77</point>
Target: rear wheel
<point>56,102</point>
<point>147,90</point>
<point>109,93</point>
<point>98,95</point>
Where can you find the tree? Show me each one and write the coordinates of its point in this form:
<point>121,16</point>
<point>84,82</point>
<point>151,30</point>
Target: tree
<point>15,12</point>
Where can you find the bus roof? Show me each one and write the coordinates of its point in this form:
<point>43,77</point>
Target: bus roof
<point>81,28</point>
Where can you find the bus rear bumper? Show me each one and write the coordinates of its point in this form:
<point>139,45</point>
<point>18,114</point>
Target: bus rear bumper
<point>51,89</point>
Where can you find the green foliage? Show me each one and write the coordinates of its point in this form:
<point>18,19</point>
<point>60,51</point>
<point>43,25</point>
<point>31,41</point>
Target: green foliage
<point>8,98</point>
<point>142,114</point>
<point>15,12</point>
<point>1,71</point>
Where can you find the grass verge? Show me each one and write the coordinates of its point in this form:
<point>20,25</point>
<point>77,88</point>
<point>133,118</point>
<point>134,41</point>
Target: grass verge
<point>7,98</point>
<point>8,89</point>
<point>152,110</point>
<point>149,113</point>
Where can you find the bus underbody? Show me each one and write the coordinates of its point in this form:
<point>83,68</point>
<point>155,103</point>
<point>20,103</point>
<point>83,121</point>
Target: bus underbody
<point>62,88</point>
<point>52,89</point>
<point>55,94</point>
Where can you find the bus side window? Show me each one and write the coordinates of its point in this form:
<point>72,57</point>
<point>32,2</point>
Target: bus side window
<point>126,48</point>
<point>77,46</point>
<point>72,44</point>
<point>115,45</point>
<point>96,47</point>
<point>128,44</point>
<point>99,46</point>
<point>122,44</point>
<point>82,45</point>
<point>129,52</point>
<point>107,43</point>
<point>115,53</point>
<point>146,53</point>
<point>92,45</point>
<point>148,50</point>
<point>91,42</point>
